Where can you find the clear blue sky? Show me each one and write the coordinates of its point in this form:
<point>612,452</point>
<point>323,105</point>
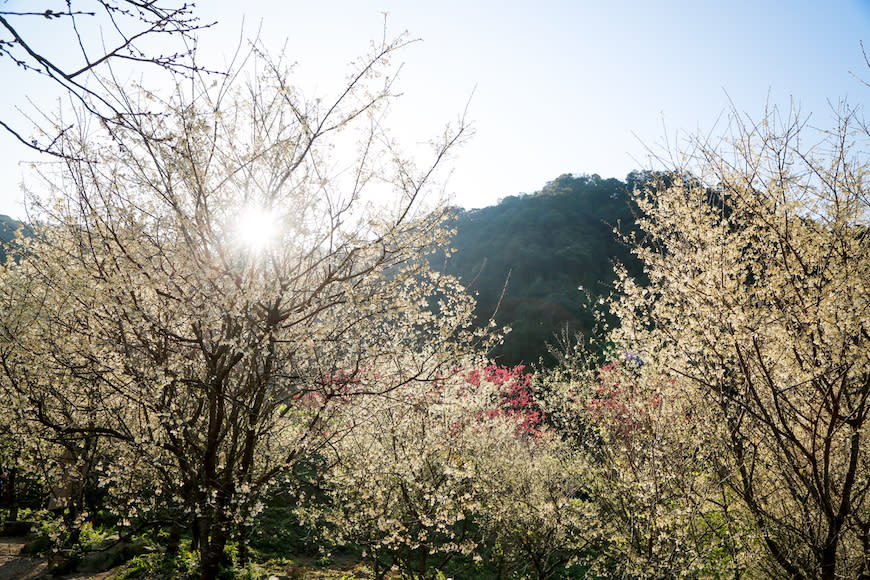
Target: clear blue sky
<point>558,86</point>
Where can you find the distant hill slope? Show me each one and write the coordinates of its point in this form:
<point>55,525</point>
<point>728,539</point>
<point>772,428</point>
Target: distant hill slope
<point>8,227</point>
<point>550,243</point>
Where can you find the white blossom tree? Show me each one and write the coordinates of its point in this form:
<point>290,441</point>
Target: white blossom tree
<point>206,285</point>
<point>756,253</point>
<point>450,473</point>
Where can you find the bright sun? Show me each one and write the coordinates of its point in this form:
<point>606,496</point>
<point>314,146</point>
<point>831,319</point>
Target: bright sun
<point>257,228</point>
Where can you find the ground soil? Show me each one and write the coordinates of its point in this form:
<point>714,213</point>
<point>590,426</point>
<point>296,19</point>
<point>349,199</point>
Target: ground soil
<point>17,566</point>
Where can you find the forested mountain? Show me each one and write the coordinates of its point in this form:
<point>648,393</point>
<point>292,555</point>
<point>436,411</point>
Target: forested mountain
<point>553,249</point>
<point>8,227</point>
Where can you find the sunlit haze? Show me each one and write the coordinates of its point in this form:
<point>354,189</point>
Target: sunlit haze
<point>256,228</point>
<point>550,87</point>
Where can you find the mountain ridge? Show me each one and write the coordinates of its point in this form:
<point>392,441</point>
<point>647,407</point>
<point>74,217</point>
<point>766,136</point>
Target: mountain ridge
<point>538,261</point>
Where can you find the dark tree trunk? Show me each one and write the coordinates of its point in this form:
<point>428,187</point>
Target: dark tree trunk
<point>244,534</point>
<point>421,561</point>
<point>174,540</point>
<point>213,557</point>
<point>195,533</point>
<point>828,561</point>
<point>13,494</point>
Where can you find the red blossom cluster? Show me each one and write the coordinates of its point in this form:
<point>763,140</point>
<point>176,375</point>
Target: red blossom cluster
<point>517,400</point>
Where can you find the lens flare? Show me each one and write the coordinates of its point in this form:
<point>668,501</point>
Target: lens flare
<point>256,228</point>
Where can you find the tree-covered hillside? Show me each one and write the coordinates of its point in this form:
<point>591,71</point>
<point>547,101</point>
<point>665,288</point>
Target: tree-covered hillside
<point>555,249</point>
<point>8,227</point>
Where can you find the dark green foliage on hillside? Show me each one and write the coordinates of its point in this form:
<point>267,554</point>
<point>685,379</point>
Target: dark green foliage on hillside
<point>8,228</point>
<point>545,245</point>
